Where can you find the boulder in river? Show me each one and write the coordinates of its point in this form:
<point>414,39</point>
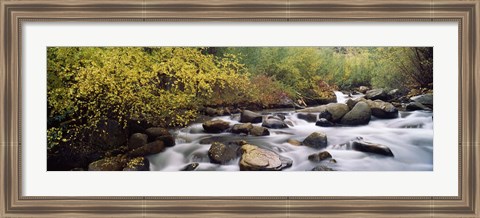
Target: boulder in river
<point>155,132</point>
<point>316,109</point>
<point>383,110</point>
<point>426,99</point>
<point>274,123</point>
<point>317,157</point>
<point>361,145</point>
<point>337,110</point>
<point>375,94</point>
<point>309,117</point>
<point>137,140</point>
<point>148,149</point>
<point>215,126</point>
<point>316,140</point>
<point>363,89</point>
<point>413,106</point>
<point>220,153</point>
<point>250,117</point>
<point>324,122</point>
<point>258,159</point>
<point>137,164</point>
<point>259,131</point>
<point>109,164</point>
<point>359,115</point>
<point>241,128</point>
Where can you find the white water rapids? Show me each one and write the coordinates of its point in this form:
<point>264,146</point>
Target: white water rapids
<point>410,138</point>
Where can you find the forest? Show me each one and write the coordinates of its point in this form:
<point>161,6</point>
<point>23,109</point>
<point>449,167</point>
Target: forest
<point>171,87</point>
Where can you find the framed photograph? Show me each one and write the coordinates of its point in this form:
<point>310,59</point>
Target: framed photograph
<point>234,108</point>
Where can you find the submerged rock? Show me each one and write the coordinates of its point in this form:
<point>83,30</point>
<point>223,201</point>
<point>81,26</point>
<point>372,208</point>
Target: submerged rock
<point>274,123</point>
<point>307,117</point>
<point>250,117</point>
<point>222,154</point>
<point>322,168</point>
<point>360,145</point>
<point>316,140</point>
<point>359,115</point>
<point>258,159</point>
<point>190,167</point>
<point>215,126</point>
<point>324,122</point>
<point>317,157</point>
<point>294,142</point>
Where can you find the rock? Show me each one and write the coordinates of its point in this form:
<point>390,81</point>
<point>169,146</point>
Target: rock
<point>322,168</point>
<point>394,93</point>
<point>426,100</point>
<point>222,154</point>
<point>155,132</point>
<point>316,140</point>
<point>215,126</point>
<point>167,140</point>
<point>351,103</point>
<point>255,158</point>
<point>317,157</point>
<point>242,128</point>
<point>137,140</point>
<point>274,123</point>
<point>316,109</point>
<point>294,142</point>
<point>413,106</point>
<point>259,131</point>
<point>148,149</point>
<point>250,117</point>
<point>109,134</point>
<point>363,89</point>
<point>307,117</point>
<point>108,164</point>
<point>359,115</point>
<point>324,122</point>
<point>332,161</point>
<point>360,145</point>
<point>137,164</point>
<point>325,115</point>
<point>375,94</point>
<point>190,167</point>
<point>210,111</point>
<point>337,110</point>
<point>383,110</point>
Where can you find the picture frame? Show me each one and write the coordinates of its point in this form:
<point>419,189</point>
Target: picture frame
<point>14,13</point>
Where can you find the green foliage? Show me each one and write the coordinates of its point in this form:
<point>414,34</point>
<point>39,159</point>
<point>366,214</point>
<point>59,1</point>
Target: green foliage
<point>164,86</point>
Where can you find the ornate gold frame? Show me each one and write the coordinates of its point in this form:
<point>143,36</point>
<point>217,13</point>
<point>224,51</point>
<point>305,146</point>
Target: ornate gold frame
<point>15,12</point>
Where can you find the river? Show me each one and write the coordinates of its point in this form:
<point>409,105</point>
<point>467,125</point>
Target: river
<point>409,137</point>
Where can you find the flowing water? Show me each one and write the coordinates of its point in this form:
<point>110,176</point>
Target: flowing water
<point>410,138</point>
